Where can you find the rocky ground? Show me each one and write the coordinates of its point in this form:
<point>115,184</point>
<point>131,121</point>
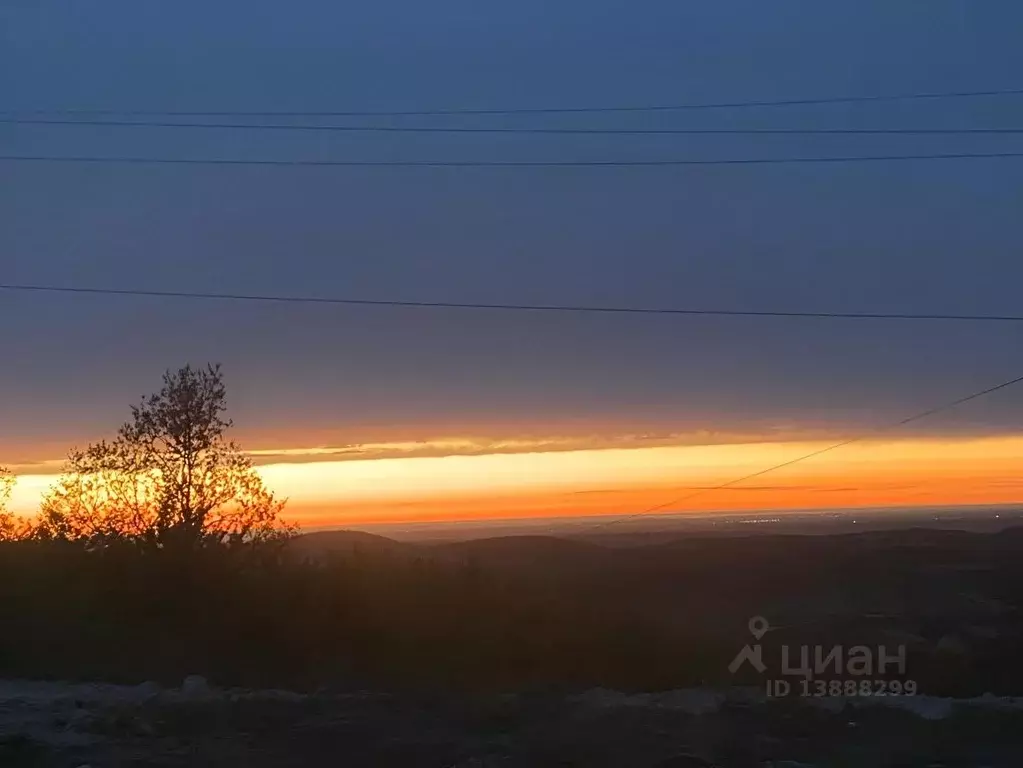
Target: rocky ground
<point>63,725</point>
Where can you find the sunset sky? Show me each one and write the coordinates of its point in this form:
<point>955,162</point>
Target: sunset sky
<point>462,480</point>
<point>372,413</point>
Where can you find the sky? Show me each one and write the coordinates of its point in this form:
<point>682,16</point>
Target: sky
<point>587,397</point>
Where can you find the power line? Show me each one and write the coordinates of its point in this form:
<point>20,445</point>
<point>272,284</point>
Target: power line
<point>122,160</point>
<point>535,110</point>
<point>562,308</point>
<point>827,449</point>
<point>531,130</point>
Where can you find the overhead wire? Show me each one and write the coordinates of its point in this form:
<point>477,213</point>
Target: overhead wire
<point>666,107</point>
<point>911,131</point>
<point>498,306</point>
<point>653,163</point>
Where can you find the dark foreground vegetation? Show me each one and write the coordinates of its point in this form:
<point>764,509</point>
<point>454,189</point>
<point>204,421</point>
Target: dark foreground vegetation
<point>243,619</point>
<point>349,611</point>
<point>488,652</point>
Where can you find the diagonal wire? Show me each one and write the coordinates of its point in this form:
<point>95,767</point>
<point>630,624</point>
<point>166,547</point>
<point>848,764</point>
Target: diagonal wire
<point>149,160</point>
<point>827,449</point>
<point>918,96</point>
<point>563,308</point>
<point>136,123</point>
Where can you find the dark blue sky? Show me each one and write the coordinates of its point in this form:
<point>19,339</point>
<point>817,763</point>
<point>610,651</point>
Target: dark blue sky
<point>912,236</point>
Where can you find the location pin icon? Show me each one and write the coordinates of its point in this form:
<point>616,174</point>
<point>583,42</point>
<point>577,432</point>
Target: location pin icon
<point>758,626</point>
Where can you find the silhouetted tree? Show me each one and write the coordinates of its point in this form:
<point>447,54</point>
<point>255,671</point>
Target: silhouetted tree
<point>10,526</point>
<point>105,494</point>
<point>170,479</point>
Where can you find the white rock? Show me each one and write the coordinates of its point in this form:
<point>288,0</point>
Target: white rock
<point>147,691</point>
<point>195,686</point>
<point>927,707</point>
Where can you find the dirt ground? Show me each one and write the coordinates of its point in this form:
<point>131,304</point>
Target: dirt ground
<point>67,726</point>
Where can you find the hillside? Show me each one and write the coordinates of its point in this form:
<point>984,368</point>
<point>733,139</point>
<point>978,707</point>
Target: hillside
<point>323,544</point>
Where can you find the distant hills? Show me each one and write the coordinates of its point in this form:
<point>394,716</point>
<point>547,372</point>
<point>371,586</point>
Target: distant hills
<point>323,544</point>
<point>499,551</point>
<point>538,550</point>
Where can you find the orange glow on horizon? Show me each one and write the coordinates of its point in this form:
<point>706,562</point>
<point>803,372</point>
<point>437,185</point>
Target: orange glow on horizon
<point>623,480</point>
